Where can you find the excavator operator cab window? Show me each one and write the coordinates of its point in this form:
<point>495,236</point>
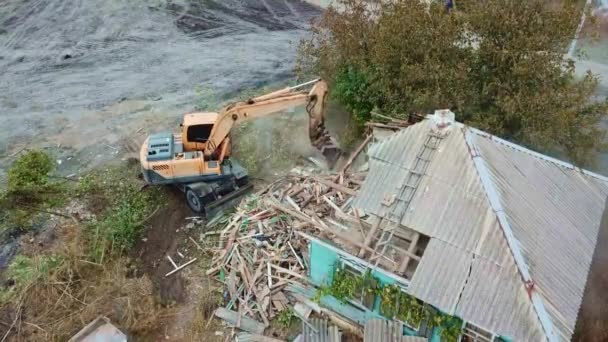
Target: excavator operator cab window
<point>199,133</point>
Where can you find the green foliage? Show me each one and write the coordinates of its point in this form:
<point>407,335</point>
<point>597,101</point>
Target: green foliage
<point>346,285</point>
<point>29,174</point>
<point>29,190</point>
<point>396,303</point>
<point>286,318</point>
<point>450,326</point>
<point>352,89</point>
<point>499,65</point>
<point>126,207</point>
<point>25,270</point>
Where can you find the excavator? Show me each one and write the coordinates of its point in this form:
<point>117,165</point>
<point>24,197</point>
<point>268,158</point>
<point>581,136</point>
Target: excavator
<point>198,161</point>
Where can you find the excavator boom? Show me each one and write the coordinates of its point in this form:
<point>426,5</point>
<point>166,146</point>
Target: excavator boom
<point>314,100</point>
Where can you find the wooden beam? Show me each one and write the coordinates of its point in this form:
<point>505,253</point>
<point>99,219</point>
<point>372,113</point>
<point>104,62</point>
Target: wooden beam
<point>246,323</point>
<point>355,154</point>
<point>338,187</point>
<point>410,249</point>
<point>369,237</point>
<point>343,236</point>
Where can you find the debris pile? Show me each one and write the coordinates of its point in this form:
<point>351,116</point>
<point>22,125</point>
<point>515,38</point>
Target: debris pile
<point>259,251</point>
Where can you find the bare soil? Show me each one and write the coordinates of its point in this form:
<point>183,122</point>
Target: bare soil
<point>87,80</point>
<point>163,237</point>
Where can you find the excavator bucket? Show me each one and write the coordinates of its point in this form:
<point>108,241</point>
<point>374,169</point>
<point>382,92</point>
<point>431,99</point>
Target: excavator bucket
<point>318,134</point>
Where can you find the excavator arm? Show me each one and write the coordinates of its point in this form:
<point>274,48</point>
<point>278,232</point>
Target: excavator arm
<point>314,100</point>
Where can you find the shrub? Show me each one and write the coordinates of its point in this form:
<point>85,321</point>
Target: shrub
<point>499,65</point>
<point>28,175</point>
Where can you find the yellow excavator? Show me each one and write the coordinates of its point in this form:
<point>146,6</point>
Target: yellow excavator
<point>198,162</point>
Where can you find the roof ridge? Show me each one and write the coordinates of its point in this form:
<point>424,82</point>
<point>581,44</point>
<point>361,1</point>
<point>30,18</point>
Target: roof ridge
<point>537,155</point>
<point>523,149</point>
<point>512,242</point>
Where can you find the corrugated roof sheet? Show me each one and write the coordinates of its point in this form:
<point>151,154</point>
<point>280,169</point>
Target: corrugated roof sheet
<point>446,268</point>
<point>380,330</point>
<point>552,209</point>
<point>318,330</point>
<point>555,214</point>
<point>495,299</point>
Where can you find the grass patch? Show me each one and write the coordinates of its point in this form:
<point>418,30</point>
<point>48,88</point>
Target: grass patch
<point>116,193</point>
<point>30,191</point>
<point>58,293</point>
<point>86,274</point>
<point>286,318</point>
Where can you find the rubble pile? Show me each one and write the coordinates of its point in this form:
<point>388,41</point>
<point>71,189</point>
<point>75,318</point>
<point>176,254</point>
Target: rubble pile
<point>260,252</point>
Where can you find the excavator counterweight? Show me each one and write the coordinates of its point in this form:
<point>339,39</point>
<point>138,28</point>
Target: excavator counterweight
<point>197,160</point>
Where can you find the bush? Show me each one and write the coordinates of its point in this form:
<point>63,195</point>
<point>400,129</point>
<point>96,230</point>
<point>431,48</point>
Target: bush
<point>352,90</point>
<point>29,190</point>
<point>499,65</point>
<point>29,173</point>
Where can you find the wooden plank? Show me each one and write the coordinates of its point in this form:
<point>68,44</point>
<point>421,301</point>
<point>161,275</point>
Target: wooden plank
<point>246,323</point>
<point>338,187</point>
<point>355,154</point>
<point>286,271</point>
<point>395,120</point>
<point>180,268</point>
<point>343,236</point>
<point>369,237</point>
<point>246,337</point>
<point>410,249</point>
<point>292,203</point>
<point>296,255</point>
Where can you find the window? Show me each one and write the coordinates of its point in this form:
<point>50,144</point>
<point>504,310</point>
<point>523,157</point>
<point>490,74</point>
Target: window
<point>359,283</point>
<point>398,305</point>
<point>199,133</point>
<point>473,333</point>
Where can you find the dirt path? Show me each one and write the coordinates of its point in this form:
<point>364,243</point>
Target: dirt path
<point>163,237</point>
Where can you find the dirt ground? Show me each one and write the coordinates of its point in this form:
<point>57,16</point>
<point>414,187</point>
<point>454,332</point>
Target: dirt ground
<point>189,292</point>
<point>163,237</point>
<point>89,80</point>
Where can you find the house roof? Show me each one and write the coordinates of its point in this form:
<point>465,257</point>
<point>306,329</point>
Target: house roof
<point>512,232</point>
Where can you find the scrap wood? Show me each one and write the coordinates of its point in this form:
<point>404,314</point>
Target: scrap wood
<point>295,254</point>
<point>338,187</point>
<point>395,120</point>
<point>290,272</point>
<point>196,243</point>
<point>302,309</point>
<point>246,337</point>
<point>258,246</point>
<point>177,269</point>
<point>355,155</point>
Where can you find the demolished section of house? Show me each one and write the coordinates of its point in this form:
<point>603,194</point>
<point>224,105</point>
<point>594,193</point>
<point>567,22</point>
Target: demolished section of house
<point>449,234</point>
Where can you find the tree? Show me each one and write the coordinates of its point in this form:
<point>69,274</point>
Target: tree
<point>500,65</point>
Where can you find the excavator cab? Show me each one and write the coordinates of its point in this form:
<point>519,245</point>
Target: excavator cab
<point>196,130</point>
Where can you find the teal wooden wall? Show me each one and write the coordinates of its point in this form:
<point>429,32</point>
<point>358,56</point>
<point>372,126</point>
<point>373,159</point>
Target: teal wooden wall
<point>324,258</point>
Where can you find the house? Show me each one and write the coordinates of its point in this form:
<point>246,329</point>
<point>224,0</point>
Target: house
<point>493,236</point>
